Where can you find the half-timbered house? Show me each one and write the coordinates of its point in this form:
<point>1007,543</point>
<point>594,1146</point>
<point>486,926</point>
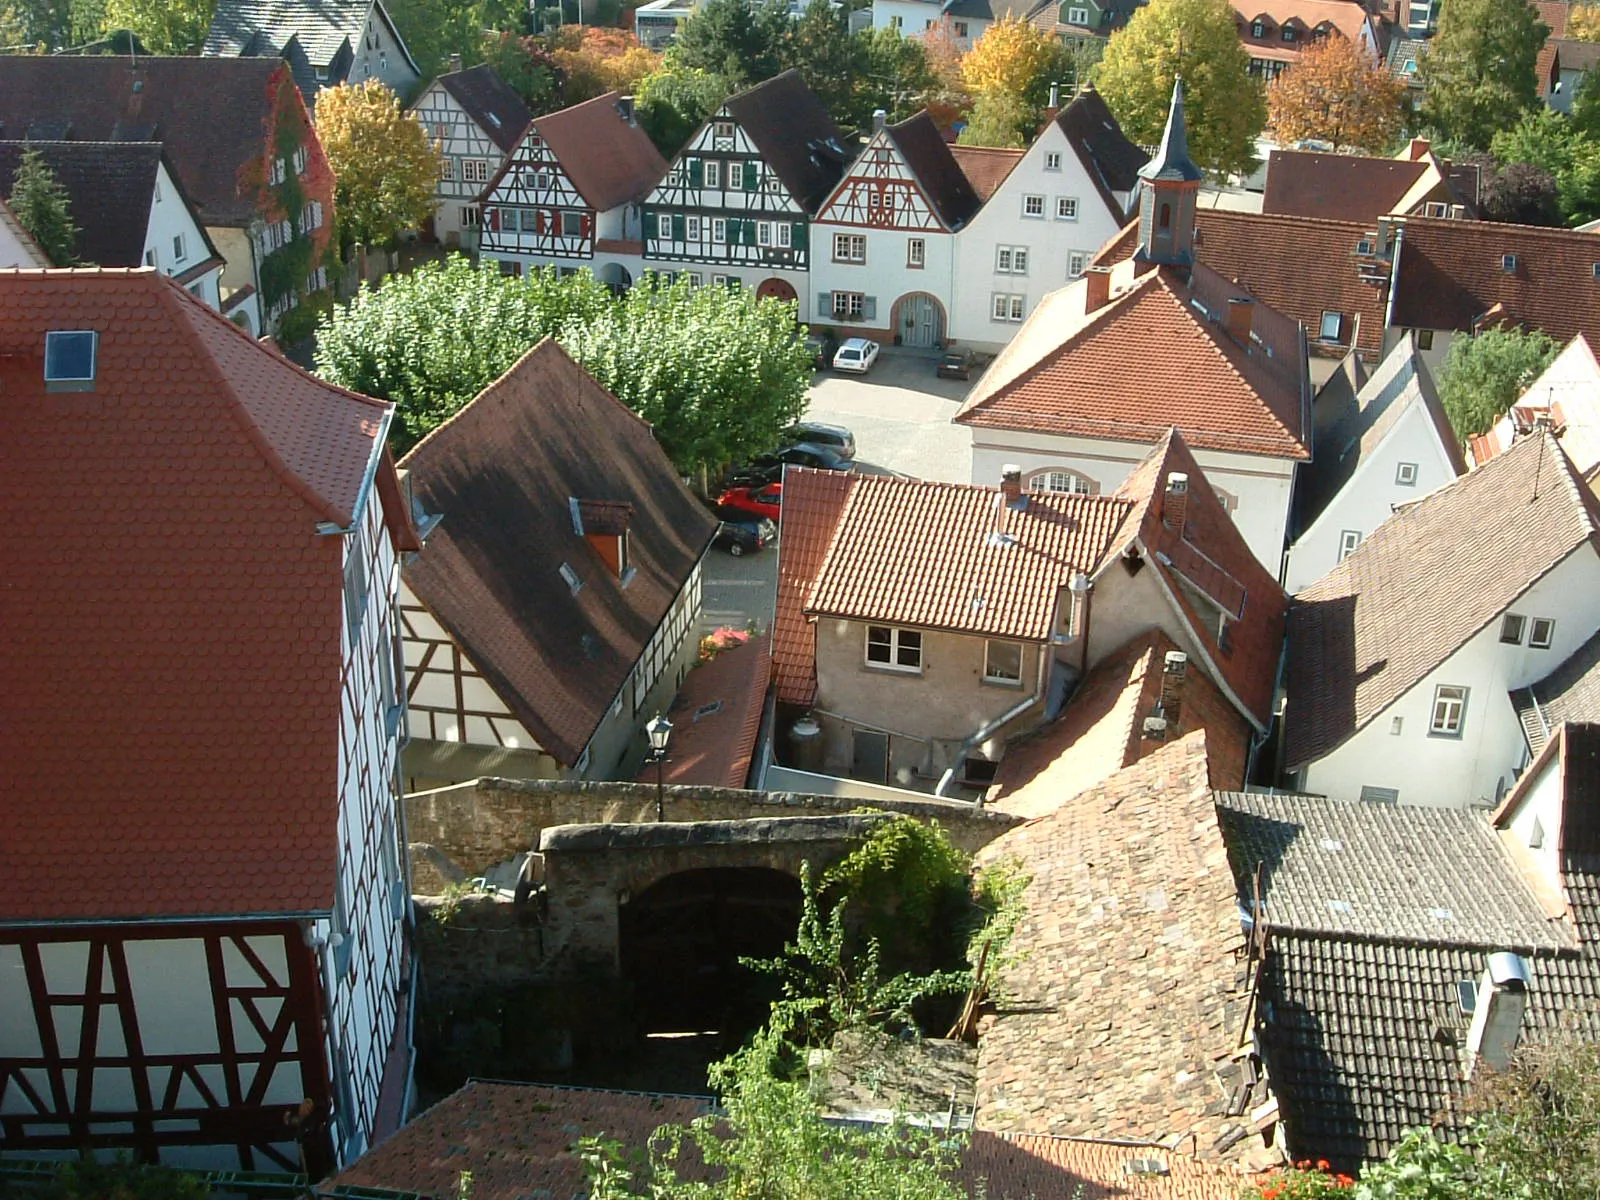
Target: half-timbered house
<point>569,195</point>
<point>476,120</point>
<point>736,206</point>
<point>885,238</point>
<point>554,611</point>
<point>202,898</point>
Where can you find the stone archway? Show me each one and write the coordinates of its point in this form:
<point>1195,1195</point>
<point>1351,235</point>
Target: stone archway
<point>919,321</point>
<point>616,277</point>
<point>777,289</point>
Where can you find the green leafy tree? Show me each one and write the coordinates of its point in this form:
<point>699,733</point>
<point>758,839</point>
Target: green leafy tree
<point>1482,376</point>
<point>717,372</point>
<point>1551,142</point>
<point>528,68</point>
<point>743,41</point>
<point>1537,1126</point>
<point>998,118</point>
<point>891,72</point>
<point>671,104</point>
<point>435,29</point>
<point>770,1141</point>
<point>40,203</point>
<point>384,166</point>
<point>164,26</point>
<point>1222,100</point>
<point>54,24</point>
<point>819,46</point>
<point>1479,69</point>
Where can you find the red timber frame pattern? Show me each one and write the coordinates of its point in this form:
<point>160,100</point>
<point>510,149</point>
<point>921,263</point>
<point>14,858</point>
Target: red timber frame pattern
<point>880,192</point>
<point>166,1037</point>
<point>515,199</point>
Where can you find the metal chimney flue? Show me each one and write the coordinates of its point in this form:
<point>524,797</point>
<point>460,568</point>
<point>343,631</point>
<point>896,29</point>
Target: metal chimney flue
<point>1497,1015</point>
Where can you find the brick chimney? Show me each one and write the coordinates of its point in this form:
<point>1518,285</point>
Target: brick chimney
<point>1175,503</point>
<point>1241,311</point>
<point>1098,280</point>
<point>1418,149</point>
<point>1011,485</point>
<point>1174,671</point>
<point>1497,1015</point>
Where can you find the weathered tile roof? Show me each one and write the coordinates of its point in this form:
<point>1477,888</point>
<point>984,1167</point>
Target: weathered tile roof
<point>1066,371</point>
<point>1122,1017</point>
<point>795,134</point>
<point>1569,693</point>
<point>1337,187</point>
<point>210,114</point>
<point>1022,1166</point>
<point>490,102</point>
<point>1110,160</point>
<point>320,26</point>
<point>517,1139</point>
<point>164,576</point>
<point>1554,15</point>
<point>813,502</point>
<point>1424,582</point>
<point>929,158</point>
<point>109,186</point>
<point>1400,383</point>
<point>986,167</point>
<point>956,557</point>
<point>1101,731</point>
<point>716,717</point>
<point>1452,275</point>
<point>502,473</point>
<point>609,159</point>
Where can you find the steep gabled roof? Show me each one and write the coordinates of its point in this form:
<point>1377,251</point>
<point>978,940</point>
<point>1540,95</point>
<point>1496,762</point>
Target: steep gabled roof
<point>211,115</point>
<point>986,167</point>
<point>490,102</point>
<point>320,26</point>
<point>1110,160</point>
<point>813,502</point>
<point>503,473</point>
<point>795,136</point>
<point>110,187</point>
<point>1066,370</point>
<point>608,158</point>
<point>172,610</point>
<point>1424,582</point>
<point>927,155</point>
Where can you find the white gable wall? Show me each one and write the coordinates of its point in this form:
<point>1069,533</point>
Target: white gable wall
<point>473,159</point>
<point>1369,497</point>
<point>1457,772</point>
<point>174,242</point>
<point>1051,241</point>
<point>1537,817</point>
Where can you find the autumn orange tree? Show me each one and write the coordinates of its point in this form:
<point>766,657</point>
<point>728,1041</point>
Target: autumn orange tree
<point>1011,56</point>
<point>1336,94</point>
<point>1583,22</point>
<point>595,60</point>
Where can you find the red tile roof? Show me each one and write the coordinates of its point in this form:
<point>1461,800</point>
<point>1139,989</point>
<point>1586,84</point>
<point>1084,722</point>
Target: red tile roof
<point>1554,14</point>
<point>1338,187</point>
<point>929,158</point>
<point>1452,273</point>
<point>517,1139</point>
<point>1101,732</point>
<point>608,158</point>
<point>171,689</point>
<point>1022,1166</point>
<point>812,504</point>
<point>1344,16</point>
<point>1066,371</point>
<point>716,718</point>
<point>986,167</point>
<point>1424,582</point>
<point>921,553</point>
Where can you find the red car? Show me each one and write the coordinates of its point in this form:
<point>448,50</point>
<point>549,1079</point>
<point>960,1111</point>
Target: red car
<point>761,501</point>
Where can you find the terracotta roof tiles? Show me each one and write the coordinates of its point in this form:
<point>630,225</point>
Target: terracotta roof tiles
<point>986,167</point>
<point>1023,1166</point>
<point>608,158</point>
<point>812,504</point>
<point>171,685</point>
<point>716,717</point>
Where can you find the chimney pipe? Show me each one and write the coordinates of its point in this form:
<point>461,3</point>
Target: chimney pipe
<point>455,61</point>
<point>1418,149</point>
<point>1497,1016</point>
<point>1055,96</point>
<point>1099,289</point>
<point>625,108</point>
<point>1240,311</point>
<point>1011,485</point>
<point>880,118</point>
<point>1175,504</point>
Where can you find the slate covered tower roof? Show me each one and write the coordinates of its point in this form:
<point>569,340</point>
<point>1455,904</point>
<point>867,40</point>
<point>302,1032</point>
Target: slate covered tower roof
<point>1167,203</point>
<point>1172,161</point>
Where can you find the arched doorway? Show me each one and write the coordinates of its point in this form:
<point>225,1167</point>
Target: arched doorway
<point>681,940</point>
<point>919,320</point>
<point>616,277</point>
<point>776,289</point>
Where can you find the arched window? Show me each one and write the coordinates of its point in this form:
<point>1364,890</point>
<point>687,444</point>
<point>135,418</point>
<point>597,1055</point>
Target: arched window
<point>1166,216</point>
<point>1061,480</point>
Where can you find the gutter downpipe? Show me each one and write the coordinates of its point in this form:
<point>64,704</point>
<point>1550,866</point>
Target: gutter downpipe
<point>986,731</point>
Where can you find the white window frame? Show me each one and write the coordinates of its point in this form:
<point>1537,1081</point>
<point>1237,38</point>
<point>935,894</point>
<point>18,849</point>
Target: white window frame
<point>574,213</point>
<point>1011,260</point>
<point>1052,160</point>
<point>898,646</point>
<point>990,675</point>
<point>691,229</point>
<point>1405,474</point>
<point>916,253</point>
<point>849,306</point>
<point>1379,795</point>
<point>785,235</point>
<point>1336,320</point>
<point>180,248</point>
<point>736,177</point>
<point>1449,716</point>
<point>719,231</point>
<point>1541,633</point>
<point>1031,202</point>
<point>663,227</point>
<point>722,129</point>
<point>1512,627</point>
<point>713,174</point>
<point>1349,540</point>
<point>1077,263</point>
<point>1063,481</point>
<point>1066,208</point>
<point>850,248</point>
<point>1007,306</point>
<point>1078,16</point>
<point>764,233</point>
<point>695,278</point>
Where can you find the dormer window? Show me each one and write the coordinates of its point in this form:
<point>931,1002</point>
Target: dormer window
<point>1288,33</point>
<point>1258,28</point>
<point>69,360</point>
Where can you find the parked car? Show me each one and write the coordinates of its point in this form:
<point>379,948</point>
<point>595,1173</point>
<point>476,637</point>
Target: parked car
<point>822,346</point>
<point>768,468</point>
<point>816,433</point>
<point>856,355</point>
<point>745,537</point>
<point>742,503</point>
<point>957,364</point>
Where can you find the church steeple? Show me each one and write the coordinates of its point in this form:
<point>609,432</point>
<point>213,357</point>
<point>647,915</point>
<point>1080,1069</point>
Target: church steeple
<point>1167,199</point>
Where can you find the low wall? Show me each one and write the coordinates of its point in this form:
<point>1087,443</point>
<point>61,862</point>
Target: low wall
<point>476,825</point>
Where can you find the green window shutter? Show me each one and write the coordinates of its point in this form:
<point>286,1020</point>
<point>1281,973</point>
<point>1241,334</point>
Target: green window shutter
<point>697,173</point>
<point>824,304</point>
<point>798,236</point>
<point>677,227</point>
<point>752,173</point>
<point>749,233</point>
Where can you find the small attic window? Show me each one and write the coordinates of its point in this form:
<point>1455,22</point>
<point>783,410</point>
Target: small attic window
<point>1597,270</point>
<point>69,360</point>
<point>1508,263</point>
<point>571,578</point>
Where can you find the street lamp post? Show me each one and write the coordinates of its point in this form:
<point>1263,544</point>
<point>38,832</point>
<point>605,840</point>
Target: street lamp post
<point>659,731</point>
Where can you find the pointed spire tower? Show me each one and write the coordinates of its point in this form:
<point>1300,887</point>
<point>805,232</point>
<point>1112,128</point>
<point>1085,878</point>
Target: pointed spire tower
<point>1167,200</point>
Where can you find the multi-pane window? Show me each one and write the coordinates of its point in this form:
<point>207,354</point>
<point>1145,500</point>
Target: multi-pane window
<point>1052,161</point>
<point>1008,307</point>
<point>1077,263</point>
<point>719,230</point>
<point>475,170</point>
<point>1011,260</point>
<point>736,175</point>
<point>1002,662</point>
<point>571,223</point>
<point>1449,711</point>
<point>1033,206</point>
<point>691,228</point>
<point>894,649</point>
<point>763,233</point>
<point>301,158</point>
<point>1066,208</point>
<point>447,168</point>
<point>1349,539</point>
<point>664,227</point>
<point>785,235</point>
<point>849,248</point>
<point>849,304</point>
<point>916,252</point>
<point>722,129</point>
<point>713,173</point>
<point>1069,482</point>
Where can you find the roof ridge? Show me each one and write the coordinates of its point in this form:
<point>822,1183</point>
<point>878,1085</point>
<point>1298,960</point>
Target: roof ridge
<point>1489,228</point>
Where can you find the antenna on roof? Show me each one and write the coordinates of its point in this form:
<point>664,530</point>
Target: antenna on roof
<point>1538,465</point>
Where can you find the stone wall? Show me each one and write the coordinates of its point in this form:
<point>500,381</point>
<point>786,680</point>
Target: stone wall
<point>473,826</point>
